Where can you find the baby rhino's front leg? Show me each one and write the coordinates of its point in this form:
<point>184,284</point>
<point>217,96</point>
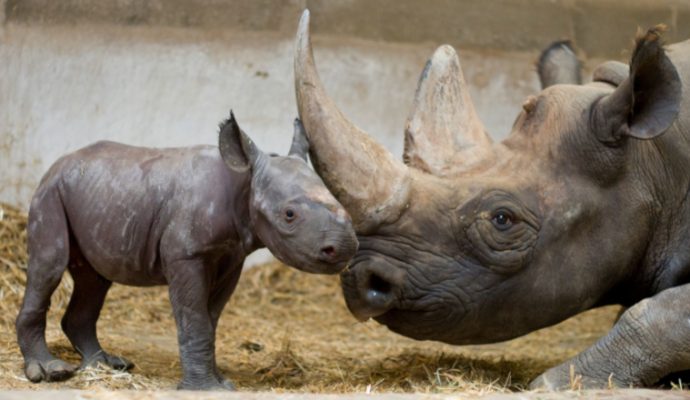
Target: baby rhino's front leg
<point>189,290</point>
<point>649,341</point>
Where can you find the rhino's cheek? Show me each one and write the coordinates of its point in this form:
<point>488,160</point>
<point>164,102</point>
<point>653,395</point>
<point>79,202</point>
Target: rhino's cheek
<point>288,247</point>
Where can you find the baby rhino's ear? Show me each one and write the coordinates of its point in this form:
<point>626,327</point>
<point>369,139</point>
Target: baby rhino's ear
<point>300,143</point>
<point>238,151</point>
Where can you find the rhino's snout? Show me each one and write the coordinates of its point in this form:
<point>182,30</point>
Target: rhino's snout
<point>336,248</point>
<point>338,252</point>
<point>331,254</point>
<point>378,294</point>
<point>341,248</point>
<point>328,251</point>
<point>371,289</point>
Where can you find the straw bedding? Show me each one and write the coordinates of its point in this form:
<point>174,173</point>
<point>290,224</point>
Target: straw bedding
<point>283,331</point>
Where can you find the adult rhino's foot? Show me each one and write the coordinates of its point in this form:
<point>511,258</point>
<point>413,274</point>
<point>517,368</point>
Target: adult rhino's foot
<point>650,340</point>
<point>51,370</point>
<point>563,377</point>
<point>114,362</point>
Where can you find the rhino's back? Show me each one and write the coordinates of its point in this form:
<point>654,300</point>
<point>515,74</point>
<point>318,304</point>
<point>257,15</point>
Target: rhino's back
<point>123,202</point>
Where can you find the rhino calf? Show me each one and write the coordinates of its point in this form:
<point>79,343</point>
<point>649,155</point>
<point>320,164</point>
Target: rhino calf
<point>185,217</point>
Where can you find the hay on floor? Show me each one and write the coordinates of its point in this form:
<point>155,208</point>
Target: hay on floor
<point>283,330</point>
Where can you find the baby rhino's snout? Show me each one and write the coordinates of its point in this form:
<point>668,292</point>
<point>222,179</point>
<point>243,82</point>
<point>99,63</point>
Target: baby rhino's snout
<point>328,253</point>
<point>340,242</point>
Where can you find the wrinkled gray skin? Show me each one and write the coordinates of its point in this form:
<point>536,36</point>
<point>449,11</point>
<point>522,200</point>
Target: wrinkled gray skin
<point>182,217</point>
<point>584,204</point>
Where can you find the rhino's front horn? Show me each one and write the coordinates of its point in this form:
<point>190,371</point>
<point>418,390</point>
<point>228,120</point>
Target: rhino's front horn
<point>443,133</point>
<point>369,182</point>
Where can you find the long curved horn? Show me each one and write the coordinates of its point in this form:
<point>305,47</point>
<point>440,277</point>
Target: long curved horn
<point>370,183</point>
<point>443,123</point>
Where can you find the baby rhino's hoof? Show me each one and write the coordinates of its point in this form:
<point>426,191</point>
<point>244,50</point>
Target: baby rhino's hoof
<point>228,385</point>
<point>114,362</point>
<point>225,385</point>
<point>49,371</point>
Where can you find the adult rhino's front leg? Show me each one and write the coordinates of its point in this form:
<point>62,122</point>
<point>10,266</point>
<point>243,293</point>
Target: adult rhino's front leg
<point>189,287</point>
<point>649,341</point>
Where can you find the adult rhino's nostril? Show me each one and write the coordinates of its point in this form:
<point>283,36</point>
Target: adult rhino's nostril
<point>371,289</point>
<point>379,292</point>
<point>378,284</point>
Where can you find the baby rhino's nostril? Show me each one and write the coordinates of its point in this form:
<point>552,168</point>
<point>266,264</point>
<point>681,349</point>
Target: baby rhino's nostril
<point>328,251</point>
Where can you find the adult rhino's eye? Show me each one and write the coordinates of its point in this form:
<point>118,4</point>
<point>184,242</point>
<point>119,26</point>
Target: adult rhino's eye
<point>502,220</point>
<point>290,215</point>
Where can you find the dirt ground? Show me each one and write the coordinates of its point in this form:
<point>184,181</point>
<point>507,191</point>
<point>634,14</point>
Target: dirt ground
<point>282,331</point>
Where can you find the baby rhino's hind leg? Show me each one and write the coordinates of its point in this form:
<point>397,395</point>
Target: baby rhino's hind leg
<point>79,321</point>
<point>48,256</point>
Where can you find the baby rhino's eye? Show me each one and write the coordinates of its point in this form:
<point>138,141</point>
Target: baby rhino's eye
<point>502,220</point>
<point>290,215</point>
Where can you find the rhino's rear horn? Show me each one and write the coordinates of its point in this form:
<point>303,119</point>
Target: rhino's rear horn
<point>443,133</point>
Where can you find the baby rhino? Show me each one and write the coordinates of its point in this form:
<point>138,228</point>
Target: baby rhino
<point>182,217</point>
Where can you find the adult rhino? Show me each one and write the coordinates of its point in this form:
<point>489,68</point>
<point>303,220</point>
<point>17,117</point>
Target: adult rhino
<point>584,204</point>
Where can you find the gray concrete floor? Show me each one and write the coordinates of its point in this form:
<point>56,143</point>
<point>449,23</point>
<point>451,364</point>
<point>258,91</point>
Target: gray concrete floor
<point>637,394</point>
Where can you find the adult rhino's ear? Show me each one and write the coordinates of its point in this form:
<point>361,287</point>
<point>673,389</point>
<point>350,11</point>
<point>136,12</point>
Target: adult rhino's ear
<point>558,64</point>
<point>612,72</point>
<point>300,143</point>
<point>647,102</point>
<point>238,151</point>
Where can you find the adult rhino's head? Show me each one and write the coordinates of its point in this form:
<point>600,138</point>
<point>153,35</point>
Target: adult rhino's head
<point>471,241</point>
<point>291,211</point>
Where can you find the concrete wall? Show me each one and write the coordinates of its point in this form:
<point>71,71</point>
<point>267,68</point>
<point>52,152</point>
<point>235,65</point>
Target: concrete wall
<point>603,27</point>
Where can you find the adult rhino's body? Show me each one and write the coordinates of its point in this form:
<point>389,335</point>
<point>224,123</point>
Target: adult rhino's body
<point>585,204</point>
